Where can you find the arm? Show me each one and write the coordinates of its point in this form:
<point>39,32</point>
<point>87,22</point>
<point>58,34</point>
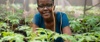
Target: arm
<point>65,26</point>
<point>35,22</point>
<point>34,26</point>
<point>66,30</point>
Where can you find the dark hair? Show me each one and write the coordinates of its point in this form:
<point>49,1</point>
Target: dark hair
<point>52,0</point>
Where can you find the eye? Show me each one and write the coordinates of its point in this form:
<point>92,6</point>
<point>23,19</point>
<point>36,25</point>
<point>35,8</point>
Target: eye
<point>49,5</point>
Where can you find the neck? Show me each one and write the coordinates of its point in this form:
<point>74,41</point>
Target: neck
<point>49,20</point>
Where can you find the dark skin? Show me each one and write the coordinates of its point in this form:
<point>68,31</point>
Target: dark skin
<point>46,8</point>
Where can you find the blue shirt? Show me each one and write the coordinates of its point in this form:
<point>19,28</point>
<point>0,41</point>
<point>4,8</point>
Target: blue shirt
<point>38,20</point>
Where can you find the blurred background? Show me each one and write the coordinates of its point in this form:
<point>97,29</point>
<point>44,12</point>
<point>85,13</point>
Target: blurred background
<point>30,5</point>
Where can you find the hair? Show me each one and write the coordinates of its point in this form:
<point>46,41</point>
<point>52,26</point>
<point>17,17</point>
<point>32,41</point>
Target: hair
<point>52,0</point>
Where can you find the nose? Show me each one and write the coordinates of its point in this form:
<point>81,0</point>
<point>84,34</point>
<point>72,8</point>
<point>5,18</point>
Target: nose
<point>45,8</point>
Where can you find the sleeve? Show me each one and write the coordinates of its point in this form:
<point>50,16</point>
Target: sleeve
<point>36,19</point>
<point>65,21</point>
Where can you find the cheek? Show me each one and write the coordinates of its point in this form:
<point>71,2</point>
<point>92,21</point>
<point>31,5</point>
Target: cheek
<point>50,9</point>
<point>40,10</point>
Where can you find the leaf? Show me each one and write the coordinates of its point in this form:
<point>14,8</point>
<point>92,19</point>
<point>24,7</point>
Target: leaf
<point>81,39</point>
<point>24,28</point>
<point>19,38</point>
<point>88,38</point>
<point>56,35</point>
<point>68,37</point>
<point>3,24</point>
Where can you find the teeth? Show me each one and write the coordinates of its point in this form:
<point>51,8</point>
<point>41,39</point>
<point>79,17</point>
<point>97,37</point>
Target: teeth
<point>46,14</point>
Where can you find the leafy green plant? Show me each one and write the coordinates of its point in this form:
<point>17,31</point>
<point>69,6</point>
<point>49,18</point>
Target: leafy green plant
<point>14,16</point>
<point>86,24</point>
<point>4,26</point>
<point>45,35</point>
<point>10,37</point>
<point>25,28</point>
<point>87,37</point>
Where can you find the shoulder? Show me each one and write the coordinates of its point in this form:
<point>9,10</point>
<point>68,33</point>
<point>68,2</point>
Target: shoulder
<point>60,16</point>
<point>37,14</point>
<point>36,19</point>
<point>60,13</point>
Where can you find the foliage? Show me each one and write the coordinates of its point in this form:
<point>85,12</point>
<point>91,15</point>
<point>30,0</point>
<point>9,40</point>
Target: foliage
<point>50,36</point>
<point>86,24</point>
<point>14,16</point>
<point>86,37</point>
<point>10,36</point>
<point>84,29</point>
<point>4,26</point>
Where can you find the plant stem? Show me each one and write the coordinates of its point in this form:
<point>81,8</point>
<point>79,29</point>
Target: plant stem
<point>53,18</point>
<point>24,10</point>
<point>12,27</point>
<point>13,8</point>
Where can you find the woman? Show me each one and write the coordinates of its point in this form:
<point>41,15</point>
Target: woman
<point>48,19</point>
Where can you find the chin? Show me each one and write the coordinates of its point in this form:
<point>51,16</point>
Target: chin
<point>46,17</point>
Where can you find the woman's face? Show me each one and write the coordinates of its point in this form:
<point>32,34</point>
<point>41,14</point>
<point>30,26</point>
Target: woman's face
<point>45,7</point>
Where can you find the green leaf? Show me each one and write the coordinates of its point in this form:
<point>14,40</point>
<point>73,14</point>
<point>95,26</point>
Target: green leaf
<point>81,39</point>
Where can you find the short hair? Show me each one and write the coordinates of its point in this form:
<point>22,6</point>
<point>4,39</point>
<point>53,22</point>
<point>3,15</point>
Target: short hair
<point>52,1</point>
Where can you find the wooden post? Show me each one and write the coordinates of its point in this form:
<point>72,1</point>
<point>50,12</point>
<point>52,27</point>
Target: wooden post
<point>85,2</point>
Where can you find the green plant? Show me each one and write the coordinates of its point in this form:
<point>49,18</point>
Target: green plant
<point>10,37</point>
<point>4,26</point>
<point>13,16</point>
<point>87,24</point>
<point>45,35</point>
<point>25,28</point>
<point>87,37</point>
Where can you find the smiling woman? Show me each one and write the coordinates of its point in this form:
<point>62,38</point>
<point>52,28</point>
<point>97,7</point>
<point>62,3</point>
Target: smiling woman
<point>48,19</point>
<point>45,8</point>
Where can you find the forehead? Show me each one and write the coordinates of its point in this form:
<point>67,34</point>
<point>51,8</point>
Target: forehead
<point>44,1</point>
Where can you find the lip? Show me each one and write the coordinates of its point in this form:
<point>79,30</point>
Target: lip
<point>46,14</point>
